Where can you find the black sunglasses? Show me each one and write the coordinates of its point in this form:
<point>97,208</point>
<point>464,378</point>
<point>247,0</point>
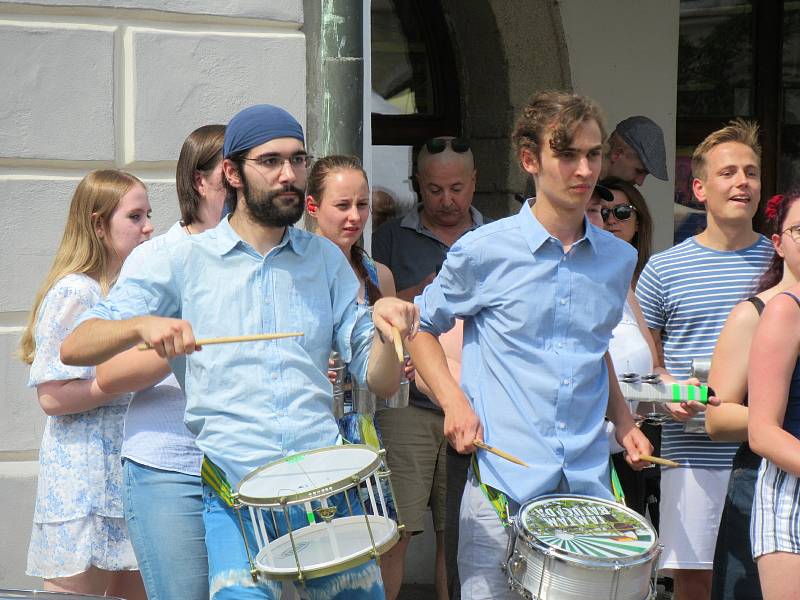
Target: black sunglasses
<point>437,145</point>
<point>621,212</point>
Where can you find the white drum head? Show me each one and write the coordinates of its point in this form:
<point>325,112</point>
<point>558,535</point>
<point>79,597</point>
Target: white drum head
<point>589,529</point>
<point>326,548</point>
<point>308,475</point>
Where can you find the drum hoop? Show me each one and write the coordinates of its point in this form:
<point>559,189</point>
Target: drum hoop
<point>586,561</point>
<point>298,498</point>
<point>354,561</point>
<point>21,594</point>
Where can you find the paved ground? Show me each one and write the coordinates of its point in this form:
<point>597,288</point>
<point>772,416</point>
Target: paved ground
<point>417,592</point>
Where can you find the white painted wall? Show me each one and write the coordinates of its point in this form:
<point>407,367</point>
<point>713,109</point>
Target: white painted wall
<point>108,83</point>
<point>624,54</point>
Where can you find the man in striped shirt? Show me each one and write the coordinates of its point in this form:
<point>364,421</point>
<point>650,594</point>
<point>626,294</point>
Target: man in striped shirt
<point>686,293</point>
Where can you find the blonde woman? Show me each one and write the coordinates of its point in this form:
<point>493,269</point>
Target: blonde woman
<point>79,542</point>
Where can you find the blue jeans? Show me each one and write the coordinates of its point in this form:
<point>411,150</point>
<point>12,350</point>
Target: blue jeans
<point>229,570</point>
<point>164,512</point>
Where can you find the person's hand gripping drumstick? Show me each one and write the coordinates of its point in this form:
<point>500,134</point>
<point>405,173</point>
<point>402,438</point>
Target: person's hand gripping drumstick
<point>168,337</point>
<point>394,321</point>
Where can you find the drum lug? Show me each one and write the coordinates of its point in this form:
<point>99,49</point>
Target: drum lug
<point>517,565</point>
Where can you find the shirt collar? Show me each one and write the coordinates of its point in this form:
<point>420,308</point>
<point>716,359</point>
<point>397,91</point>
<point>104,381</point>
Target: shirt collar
<point>412,219</point>
<point>536,234</point>
<point>227,239</point>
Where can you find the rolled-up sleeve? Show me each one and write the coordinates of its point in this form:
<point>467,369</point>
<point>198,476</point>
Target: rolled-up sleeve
<point>455,293</point>
<point>148,289</point>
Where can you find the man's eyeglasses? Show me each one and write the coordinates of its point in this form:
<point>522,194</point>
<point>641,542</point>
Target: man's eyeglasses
<point>437,145</point>
<point>274,162</point>
<point>621,212</point>
<point>794,232</point>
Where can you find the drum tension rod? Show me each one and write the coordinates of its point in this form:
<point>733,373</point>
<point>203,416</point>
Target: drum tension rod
<point>253,572</point>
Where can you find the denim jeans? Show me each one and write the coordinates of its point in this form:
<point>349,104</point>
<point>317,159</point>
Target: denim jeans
<point>230,572</point>
<point>164,512</point>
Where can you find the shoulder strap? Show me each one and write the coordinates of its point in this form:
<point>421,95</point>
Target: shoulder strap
<point>757,302</point>
<point>793,297</point>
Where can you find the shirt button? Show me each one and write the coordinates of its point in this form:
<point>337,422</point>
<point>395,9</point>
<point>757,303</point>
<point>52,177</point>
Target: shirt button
<point>562,425</point>
<point>563,301</point>
<point>565,381</point>
<point>560,344</point>
<point>274,375</point>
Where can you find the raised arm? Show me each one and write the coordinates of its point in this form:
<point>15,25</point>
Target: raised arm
<point>728,377</point>
<point>772,362</point>
<point>98,340</point>
<point>451,342</point>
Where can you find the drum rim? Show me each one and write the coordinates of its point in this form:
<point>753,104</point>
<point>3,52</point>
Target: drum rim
<point>44,594</point>
<point>328,569</point>
<point>297,498</point>
<point>586,561</point>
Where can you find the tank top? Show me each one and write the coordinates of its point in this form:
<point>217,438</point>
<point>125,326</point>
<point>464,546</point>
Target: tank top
<point>791,422</point>
<point>745,458</point>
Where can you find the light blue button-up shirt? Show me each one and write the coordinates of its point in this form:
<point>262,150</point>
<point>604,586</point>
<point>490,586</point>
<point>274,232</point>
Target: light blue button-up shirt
<point>251,403</point>
<point>537,322</point>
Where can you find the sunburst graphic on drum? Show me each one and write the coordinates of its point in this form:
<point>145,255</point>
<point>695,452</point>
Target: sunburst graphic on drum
<point>585,527</point>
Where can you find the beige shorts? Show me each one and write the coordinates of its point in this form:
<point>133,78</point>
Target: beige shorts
<point>415,449</point>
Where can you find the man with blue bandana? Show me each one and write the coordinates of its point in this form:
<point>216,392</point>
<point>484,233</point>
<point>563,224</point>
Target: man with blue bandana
<point>251,404</point>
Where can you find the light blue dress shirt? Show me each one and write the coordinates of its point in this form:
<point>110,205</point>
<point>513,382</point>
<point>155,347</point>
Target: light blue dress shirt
<point>252,403</point>
<point>537,322</point>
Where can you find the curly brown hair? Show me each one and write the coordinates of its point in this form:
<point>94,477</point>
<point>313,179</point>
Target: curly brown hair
<point>558,111</point>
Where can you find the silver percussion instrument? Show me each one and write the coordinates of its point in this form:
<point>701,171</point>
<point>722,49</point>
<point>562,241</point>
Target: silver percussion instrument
<point>400,398</point>
<point>339,368</point>
<point>340,493</point>
<point>570,547</point>
<point>19,594</point>
<point>651,393</point>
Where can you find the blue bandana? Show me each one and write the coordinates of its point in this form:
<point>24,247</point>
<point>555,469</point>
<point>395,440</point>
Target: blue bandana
<point>258,124</point>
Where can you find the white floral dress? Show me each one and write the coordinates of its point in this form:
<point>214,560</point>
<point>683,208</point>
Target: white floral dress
<point>78,520</point>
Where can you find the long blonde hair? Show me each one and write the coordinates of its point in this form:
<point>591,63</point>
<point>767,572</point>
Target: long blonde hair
<point>81,250</point>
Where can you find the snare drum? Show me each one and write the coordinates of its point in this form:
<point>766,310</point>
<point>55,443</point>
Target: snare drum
<point>570,547</point>
<point>339,493</point>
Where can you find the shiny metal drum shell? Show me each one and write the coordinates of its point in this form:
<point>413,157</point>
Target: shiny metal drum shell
<point>592,548</point>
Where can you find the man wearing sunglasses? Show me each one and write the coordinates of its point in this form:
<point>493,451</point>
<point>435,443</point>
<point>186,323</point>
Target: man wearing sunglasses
<point>636,150</point>
<point>414,247</point>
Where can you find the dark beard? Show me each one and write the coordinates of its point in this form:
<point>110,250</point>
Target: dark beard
<point>264,208</point>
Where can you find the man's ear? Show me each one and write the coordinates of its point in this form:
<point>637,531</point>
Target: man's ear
<point>698,189</point>
<point>232,174</point>
<point>529,161</point>
<point>616,153</point>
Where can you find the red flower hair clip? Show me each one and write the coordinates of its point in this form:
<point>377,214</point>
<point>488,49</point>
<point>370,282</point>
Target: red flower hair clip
<point>772,206</point>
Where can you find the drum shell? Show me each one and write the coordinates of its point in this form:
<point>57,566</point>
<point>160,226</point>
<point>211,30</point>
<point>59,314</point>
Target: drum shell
<point>534,567</point>
<point>338,405</point>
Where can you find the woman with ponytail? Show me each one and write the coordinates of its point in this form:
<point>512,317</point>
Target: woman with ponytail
<point>735,574</point>
<point>79,542</point>
<point>337,205</point>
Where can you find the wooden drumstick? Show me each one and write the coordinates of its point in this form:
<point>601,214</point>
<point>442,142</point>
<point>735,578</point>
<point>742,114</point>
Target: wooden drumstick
<point>398,345</point>
<point>500,453</point>
<point>658,460</point>
<point>233,339</point>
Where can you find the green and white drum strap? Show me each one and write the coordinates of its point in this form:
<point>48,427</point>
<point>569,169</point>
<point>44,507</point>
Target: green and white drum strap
<point>496,498</point>
<point>213,476</point>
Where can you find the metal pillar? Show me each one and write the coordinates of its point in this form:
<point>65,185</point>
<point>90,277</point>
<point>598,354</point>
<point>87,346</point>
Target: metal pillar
<point>334,76</point>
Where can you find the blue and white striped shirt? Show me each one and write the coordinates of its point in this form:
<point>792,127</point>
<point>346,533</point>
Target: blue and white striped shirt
<point>687,293</point>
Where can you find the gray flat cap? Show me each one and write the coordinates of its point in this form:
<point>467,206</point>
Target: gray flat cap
<point>647,139</point>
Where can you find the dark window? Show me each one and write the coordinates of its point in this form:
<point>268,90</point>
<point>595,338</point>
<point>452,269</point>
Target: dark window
<point>414,79</point>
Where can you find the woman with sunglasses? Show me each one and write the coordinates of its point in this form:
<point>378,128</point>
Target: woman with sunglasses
<point>631,346</point>
<point>756,373</point>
